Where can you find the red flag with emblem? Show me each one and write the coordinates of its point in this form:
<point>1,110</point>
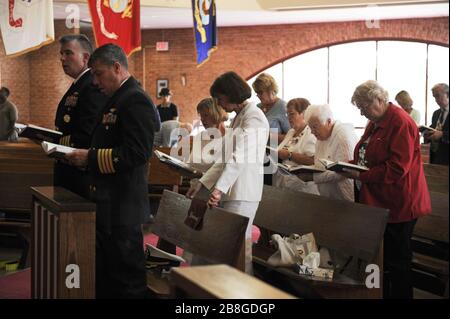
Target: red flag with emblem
<point>118,22</point>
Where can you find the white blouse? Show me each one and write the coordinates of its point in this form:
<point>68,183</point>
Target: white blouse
<point>338,147</point>
<point>304,143</point>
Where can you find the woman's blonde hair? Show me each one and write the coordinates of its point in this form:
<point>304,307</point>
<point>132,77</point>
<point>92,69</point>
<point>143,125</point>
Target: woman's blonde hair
<point>404,99</point>
<point>211,106</point>
<point>368,92</point>
<point>265,83</point>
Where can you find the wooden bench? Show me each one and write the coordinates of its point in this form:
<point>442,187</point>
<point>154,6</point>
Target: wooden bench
<point>344,227</point>
<point>63,237</point>
<point>22,165</point>
<point>220,282</point>
<point>430,240</point>
<point>437,177</point>
<point>161,175</point>
<point>221,239</point>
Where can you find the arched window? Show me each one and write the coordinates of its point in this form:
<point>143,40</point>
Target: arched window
<point>331,74</point>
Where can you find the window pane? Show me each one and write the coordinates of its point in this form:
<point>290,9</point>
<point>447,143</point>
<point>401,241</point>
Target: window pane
<point>350,65</point>
<point>437,73</point>
<point>402,66</point>
<point>306,76</point>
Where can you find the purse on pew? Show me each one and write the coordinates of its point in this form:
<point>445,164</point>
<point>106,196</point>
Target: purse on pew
<point>196,213</point>
<point>291,250</point>
<point>197,209</point>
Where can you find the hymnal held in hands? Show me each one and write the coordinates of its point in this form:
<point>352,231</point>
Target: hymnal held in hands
<point>176,163</point>
<point>423,128</point>
<point>299,169</point>
<point>56,150</point>
<point>39,133</point>
<point>339,166</point>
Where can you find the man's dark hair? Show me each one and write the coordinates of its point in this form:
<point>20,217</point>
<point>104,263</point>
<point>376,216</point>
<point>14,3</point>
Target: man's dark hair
<point>109,54</point>
<point>5,91</point>
<point>81,39</point>
<point>231,85</point>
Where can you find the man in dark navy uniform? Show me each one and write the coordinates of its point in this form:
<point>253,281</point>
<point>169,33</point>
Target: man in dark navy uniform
<point>118,161</point>
<point>79,110</point>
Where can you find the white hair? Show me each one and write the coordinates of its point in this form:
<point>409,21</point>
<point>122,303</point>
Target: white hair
<point>322,112</point>
<point>368,92</point>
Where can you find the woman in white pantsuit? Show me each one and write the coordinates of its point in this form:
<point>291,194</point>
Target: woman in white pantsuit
<point>238,181</point>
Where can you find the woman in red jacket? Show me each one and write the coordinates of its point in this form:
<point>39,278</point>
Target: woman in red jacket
<point>390,148</point>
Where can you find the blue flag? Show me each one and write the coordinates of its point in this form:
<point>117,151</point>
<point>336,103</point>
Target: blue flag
<point>205,28</point>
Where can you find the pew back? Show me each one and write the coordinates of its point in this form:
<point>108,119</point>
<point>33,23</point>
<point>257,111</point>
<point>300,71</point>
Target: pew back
<point>347,228</point>
<point>353,229</point>
<point>219,241</point>
<point>435,225</point>
<point>161,174</point>
<point>22,165</point>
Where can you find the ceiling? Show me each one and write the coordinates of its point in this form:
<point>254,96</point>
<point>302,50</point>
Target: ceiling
<point>168,14</point>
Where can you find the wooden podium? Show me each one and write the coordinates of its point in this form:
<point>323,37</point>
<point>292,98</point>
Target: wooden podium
<point>63,244</point>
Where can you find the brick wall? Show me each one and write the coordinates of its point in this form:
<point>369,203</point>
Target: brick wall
<point>38,82</point>
<point>248,50</point>
<point>14,74</point>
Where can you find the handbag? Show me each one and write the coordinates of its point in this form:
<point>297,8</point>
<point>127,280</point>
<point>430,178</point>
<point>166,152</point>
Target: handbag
<point>292,249</point>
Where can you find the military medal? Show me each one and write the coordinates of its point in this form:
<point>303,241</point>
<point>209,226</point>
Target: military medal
<point>67,118</point>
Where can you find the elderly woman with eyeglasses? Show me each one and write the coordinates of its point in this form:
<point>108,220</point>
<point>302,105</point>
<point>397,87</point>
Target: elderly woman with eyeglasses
<point>297,148</point>
<point>395,180</point>
<point>335,142</point>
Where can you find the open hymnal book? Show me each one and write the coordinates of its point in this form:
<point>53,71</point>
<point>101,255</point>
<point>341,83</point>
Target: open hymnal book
<point>56,150</point>
<point>174,162</point>
<point>299,169</point>
<point>153,251</point>
<point>338,166</point>
<point>423,128</point>
<point>38,133</point>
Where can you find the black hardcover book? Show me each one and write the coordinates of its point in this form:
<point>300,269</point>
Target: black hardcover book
<point>35,132</point>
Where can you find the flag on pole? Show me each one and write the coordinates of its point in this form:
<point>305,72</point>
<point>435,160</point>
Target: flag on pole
<point>26,25</point>
<point>118,22</point>
<point>205,28</point>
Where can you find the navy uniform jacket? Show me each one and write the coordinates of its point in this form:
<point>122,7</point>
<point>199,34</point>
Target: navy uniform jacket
<point>440,155</point>
<point>77,116</point>
<point>119,155</point>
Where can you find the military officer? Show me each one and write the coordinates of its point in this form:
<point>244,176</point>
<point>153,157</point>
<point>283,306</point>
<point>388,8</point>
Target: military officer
<point>118,161</point>
<point>78,111</point>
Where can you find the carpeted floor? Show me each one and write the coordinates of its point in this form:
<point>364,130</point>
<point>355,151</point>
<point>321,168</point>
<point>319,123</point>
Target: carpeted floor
<point>17,285</point>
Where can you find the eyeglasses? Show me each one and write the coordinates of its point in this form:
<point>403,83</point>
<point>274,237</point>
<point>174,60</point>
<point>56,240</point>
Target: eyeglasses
<point>363,106</point>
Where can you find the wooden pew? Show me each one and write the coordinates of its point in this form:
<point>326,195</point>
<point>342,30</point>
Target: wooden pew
<point>221,239</point>
<point>437,178</point>
<point>63,236</point>
<point>425,153</point>
<point>220,282</point>
<point>347,228</point>
<point>161,175</point>
<point>430,240</point>
<point>22,165</point>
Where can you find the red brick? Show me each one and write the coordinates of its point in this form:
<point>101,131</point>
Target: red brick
<point>37,81</point>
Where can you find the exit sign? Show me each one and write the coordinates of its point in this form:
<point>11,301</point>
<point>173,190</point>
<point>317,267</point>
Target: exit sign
<point>162,46</point>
